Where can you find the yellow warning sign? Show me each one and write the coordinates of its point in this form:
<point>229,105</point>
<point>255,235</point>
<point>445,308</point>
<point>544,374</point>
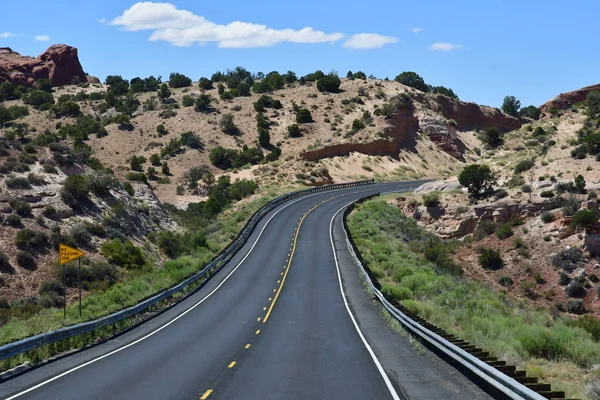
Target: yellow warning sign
<point>68,253</point>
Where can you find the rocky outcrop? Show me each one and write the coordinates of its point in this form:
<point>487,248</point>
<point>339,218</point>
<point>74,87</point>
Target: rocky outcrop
<point>471,116</point>
<point>402,128</point>
<point>565,100</point>
<point>442,186</point>
<point>382,147</point>
<point>59,63</point>
<point>442,133</point>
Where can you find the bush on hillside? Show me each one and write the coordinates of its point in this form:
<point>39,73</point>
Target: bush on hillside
<point>75,189</point>
<point>329,83</point>
<point>227,125</point>
<point>490,259</point>
<point>523,165</point>
<point>303,116</point>
<point>25,259</point>
<point>431,199</point>
<point>177,80</point>
<point>584,219</point>
<point>491,138</point>
<point>123,254</point>
<point>504,231</point>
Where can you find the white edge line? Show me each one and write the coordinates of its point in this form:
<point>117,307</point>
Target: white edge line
<point>386,379</point>
<point>163,326</point>
<point>187,311</point>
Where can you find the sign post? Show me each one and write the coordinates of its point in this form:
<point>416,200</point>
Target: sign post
<point>66,254</point>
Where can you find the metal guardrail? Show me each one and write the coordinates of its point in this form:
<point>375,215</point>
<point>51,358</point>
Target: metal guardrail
<point>33,342</point>
<point>500,381</point>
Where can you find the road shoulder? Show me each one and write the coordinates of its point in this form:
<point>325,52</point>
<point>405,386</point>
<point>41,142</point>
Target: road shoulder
<point>415,372</point>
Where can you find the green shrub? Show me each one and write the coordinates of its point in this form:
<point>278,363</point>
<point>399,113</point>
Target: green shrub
<point>490,259</point>
<point>357,125</point>
<point>80,234</point>
<point>303,116</point>
<point>177,80</point>
<point>576,307</point>
<point>202,103</point>
<point>523,165</point>
<point>526,189</point>
<point>579,152</point>
<point>50,211</point>
<point>504,231</point>
<point>491,138</point>
<point>547,217</point>
<point>575,289</point>
<point>18,182</point>
<point>39,99</point>
<point>547,194</point>
<point>590,324</point>
<point>188,101</point>
<point>294,131</point>
<point>13,220</point>
<point>264,139</point>
<point>205,83</point>
<point>431,199</point>
<point>75,189</point>
<point>5,264</point>
<point>25,259</point>
<point>584,219</point>
<point>29,238</point>
<point>123,254</point>
<point>191,140</point>
<point>20,207</point>
<point>329,83</point>
<point>567,259</point>
<point>563,278</point>
<point>505,281</point>
<point>227,125</point>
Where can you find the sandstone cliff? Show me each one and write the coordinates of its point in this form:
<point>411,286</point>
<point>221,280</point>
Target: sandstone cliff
<point>59,63</point>
<point>565,100</point>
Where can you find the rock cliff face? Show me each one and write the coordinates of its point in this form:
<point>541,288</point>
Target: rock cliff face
<point>471,116</point>
<point>403,126</point>
<point>59,63</point>
<point>566,100</point>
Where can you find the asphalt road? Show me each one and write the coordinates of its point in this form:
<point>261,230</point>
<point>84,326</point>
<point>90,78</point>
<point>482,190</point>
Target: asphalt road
<point>273,324</point>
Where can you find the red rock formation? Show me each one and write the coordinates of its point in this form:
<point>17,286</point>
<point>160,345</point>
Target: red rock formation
<point>381,147</point>
<point>565,100</point>
<point>471,116</point>
<point>402,129</point>
<point>59,63</point>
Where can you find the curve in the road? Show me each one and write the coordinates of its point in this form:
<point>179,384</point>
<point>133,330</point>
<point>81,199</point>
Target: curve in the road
<point>309,347</point>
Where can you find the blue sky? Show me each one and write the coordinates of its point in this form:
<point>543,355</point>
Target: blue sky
<point>483,50</point>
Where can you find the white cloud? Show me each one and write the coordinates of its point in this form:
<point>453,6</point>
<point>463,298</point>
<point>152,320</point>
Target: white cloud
<point>368,41</point>
<point>5,35</point>
<point>184,28</point>
<point>42,38</point>
<point>101,20</point>
<point>416,30</point>
<point>445,46</point>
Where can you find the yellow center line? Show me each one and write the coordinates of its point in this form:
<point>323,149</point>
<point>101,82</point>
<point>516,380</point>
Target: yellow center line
<point>257,331</point>
<point>206,394</point>
<point>258,320</point>
<point>247,346</point>
<point>291,257</point>
<point>264,308</point>
<point>232,364</point>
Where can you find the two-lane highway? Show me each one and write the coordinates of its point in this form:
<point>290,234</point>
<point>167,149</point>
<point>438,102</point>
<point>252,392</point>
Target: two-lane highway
<point>272,324</point>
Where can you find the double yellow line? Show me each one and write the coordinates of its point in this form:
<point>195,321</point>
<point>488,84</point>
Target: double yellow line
<point>291,255</point>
